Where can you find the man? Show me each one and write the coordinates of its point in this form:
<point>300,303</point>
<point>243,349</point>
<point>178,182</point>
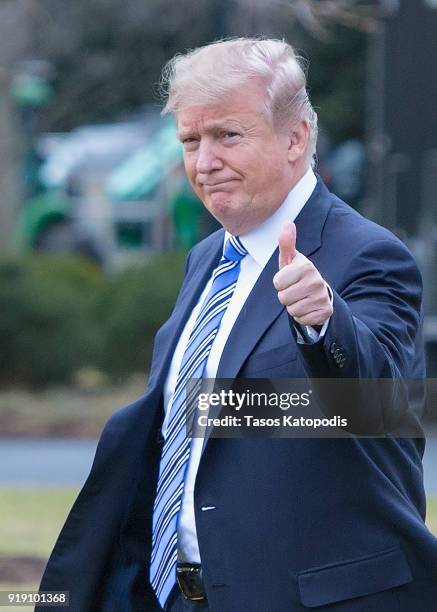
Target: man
<point>296,285</point>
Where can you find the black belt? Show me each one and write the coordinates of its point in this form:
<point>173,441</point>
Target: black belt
<point>189,579</point>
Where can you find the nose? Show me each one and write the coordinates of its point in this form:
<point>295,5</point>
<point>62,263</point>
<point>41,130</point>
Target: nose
<point>207,160</point>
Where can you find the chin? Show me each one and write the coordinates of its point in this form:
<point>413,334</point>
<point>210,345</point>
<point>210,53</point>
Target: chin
<point>233,216</point>
<point>222,210</point>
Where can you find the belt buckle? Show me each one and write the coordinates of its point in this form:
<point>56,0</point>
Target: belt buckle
<point>189,579</point>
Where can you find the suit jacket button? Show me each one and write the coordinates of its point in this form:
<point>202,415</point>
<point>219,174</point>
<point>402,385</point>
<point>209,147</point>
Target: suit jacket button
<point>333,347</point>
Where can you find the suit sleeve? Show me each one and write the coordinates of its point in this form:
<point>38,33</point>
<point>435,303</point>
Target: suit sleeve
<point>373,334</point>
<point>372,331</point>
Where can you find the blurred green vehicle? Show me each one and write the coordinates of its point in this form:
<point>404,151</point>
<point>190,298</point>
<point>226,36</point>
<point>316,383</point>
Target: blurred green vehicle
<point>113,194</point>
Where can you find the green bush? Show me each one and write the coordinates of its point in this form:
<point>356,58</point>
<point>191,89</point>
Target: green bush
<point>134,305</point>
<point>46,307</point>
<point>59,315</point>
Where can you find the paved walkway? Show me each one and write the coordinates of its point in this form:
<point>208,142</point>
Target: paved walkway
<point>55,462</point>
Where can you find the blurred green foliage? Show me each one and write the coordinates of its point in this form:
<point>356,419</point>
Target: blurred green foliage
<point>133,305</point>
<point>62,314</point>
<point>336,78</point>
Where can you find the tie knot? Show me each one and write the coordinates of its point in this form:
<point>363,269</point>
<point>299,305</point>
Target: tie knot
<point>234,249</point>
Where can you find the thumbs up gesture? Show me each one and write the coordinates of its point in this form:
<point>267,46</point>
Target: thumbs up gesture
<point>299,284</point>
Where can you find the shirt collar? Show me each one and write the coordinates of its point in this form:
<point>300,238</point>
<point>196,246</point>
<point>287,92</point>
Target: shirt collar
<point>262,241</point>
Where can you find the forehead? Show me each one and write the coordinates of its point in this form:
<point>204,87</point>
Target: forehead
<point>234,110</point>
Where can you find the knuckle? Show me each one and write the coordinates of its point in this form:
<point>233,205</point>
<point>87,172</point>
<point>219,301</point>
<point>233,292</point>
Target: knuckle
<point>322,301</point>
<point>292,312</point>
<point>281,297</point>
<point>278,280</point>
<point>308,266</point>
<point>298,312</point>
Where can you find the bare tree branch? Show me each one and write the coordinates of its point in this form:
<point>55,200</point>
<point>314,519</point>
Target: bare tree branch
<point>316,15</point>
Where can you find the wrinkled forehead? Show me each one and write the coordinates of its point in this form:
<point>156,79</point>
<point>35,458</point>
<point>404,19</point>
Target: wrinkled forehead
<point>215,118</point>
<point>236,106</point>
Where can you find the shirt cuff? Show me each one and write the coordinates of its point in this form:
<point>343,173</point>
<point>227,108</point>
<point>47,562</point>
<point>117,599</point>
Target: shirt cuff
<point>306,334</point>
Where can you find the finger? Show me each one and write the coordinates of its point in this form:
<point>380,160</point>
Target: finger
<point>301,308</point>
<point>289,275</point>
<point>293,294</point>
<point>287,244</point>
<point>314,318</point>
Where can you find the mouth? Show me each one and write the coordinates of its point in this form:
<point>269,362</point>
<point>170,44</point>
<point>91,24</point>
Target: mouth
<point>219,186</point>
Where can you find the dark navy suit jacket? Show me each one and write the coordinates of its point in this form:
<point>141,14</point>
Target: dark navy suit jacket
<point>298,524</point>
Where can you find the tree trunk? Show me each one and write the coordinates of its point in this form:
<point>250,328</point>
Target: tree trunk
<point>13,19</point>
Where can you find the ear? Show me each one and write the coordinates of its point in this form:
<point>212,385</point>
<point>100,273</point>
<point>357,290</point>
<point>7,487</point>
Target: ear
<point>298,141</point>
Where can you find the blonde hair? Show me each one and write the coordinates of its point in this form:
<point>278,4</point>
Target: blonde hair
<point>208,75</point>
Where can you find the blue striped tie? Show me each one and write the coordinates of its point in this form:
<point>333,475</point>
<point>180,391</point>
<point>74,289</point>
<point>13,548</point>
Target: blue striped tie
<point>176,450</point>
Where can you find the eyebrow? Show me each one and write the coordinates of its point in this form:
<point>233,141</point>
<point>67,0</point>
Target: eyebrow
<point>184,133</point>
<point>212,126</point>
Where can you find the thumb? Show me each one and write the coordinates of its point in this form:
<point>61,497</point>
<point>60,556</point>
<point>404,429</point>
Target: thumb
<point>287,244</point>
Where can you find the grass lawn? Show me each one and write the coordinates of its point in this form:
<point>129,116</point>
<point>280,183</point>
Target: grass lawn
<point>30,521</point>
<point>431,519</point>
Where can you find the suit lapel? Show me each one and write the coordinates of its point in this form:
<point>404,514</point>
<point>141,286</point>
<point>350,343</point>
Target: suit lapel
<point>259,311</point>
<point>262,306</point>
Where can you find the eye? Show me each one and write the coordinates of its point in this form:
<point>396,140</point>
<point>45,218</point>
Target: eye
<point>190,143</point>
<point>231,135</point>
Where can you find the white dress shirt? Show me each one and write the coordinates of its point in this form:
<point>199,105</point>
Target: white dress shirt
<point>260,244</point>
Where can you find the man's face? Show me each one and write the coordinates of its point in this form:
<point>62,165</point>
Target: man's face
<point>238,166</point>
